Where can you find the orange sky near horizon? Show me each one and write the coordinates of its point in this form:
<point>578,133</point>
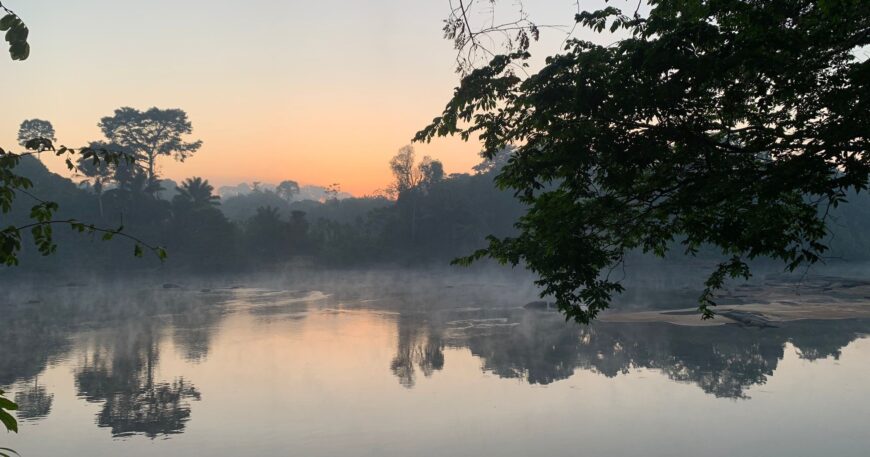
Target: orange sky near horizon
<point>316,92</point>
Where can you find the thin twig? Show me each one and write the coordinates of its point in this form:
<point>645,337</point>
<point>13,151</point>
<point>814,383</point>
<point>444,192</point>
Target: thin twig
<point>92,229</point>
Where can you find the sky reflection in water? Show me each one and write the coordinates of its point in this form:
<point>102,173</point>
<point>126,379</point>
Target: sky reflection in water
<point>268,372</point>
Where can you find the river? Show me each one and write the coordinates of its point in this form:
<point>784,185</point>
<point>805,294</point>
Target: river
<point>261,371</point>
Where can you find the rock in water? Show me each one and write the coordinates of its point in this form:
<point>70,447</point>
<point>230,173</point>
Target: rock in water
<point>748,319</point>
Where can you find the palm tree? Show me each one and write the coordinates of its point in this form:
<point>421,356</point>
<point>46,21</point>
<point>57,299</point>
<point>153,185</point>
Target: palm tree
<point>198,192</point>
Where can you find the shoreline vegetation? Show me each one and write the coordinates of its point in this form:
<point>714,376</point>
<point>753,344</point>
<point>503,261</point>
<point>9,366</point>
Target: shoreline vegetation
<point>430,224</point>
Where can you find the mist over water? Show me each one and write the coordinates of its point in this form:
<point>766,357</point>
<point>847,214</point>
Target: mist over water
<point>461,228</point>
<point>399,362</point>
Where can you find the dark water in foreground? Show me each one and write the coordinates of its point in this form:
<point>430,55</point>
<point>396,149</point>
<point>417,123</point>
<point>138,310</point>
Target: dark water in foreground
<point>276,372</point>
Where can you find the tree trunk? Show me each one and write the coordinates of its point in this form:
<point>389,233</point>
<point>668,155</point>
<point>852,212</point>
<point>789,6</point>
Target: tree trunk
<point>151,176</point>
<point>414,221</point>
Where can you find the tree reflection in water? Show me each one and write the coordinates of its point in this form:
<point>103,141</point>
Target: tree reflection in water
<point>417,345</point>
<point>119,372</point>
<point>34,402</point>
<point>119,369</point>
<point>541,348</point>
<point>118,347</point>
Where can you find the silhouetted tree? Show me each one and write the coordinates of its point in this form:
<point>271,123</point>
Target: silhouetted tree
<point>729,124</point>
<point>287,190</point>
<point>332,191</point>
<point>406,174</point>
<point>37,136</point>
<point>151,134</point>
<point>198,193</point>
<point>34,129</point>
<point>242,207</point>
<point>431,172</point>
<point>495,163</point>
<point>200,235</point>
<point>409,175</point>
<point>99,174</point>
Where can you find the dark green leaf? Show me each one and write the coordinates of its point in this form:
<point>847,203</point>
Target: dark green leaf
<point>5,403</point>
<point>8,21</point>
<point>8,421</point>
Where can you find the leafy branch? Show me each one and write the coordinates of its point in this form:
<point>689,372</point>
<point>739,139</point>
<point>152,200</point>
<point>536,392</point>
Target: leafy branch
<point>16,34</point>
<point>733,126</point>
<point>43,213</point>
<point>7,419</point>
<point>475,40</point>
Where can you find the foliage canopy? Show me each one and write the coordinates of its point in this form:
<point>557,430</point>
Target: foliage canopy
<point>32,129</point>
<point>150,134</point>
<point>730,123</point>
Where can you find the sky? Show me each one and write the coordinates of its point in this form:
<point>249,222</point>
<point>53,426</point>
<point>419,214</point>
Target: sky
<point>320,92</point>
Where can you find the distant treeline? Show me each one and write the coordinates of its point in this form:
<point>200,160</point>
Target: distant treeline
<point>426,218</point>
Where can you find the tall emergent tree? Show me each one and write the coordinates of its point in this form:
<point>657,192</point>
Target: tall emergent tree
<point>42,214</point>
<point>151,134</point>
<point>405,171</point>
<point>431,172</point>
<point>412,180</point>
<point>730,123</point>
<point>287,189</point>
<point>33,129</point>
<point>409,175</point>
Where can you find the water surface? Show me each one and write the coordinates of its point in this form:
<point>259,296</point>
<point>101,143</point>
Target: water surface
<point>288,371</point>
